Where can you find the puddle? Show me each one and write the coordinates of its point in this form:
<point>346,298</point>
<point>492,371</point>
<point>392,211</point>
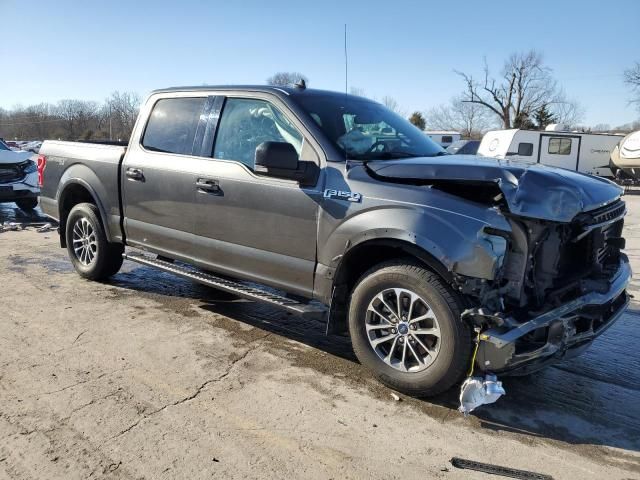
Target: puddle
<point>57,264</point>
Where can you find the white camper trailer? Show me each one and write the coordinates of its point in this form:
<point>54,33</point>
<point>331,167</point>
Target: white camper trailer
<point>626,156</point>
<point>443,137</point>
<point>583,152</point>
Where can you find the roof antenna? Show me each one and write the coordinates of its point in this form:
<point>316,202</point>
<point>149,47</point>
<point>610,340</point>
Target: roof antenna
<point>346,63</point>
<point>301,84</point>
<point>346,85</point>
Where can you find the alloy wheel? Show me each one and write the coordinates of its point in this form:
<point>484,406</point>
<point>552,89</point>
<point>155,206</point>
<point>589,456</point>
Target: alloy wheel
<point>403,330</point>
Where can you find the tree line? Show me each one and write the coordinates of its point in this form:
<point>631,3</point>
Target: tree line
<point>524,94</point>
<point>72,119</point>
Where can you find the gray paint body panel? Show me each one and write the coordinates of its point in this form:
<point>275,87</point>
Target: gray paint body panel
<point>275,232</point>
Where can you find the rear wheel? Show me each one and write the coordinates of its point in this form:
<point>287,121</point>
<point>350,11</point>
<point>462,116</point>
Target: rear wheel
<point>92,255</point>
<point>27,203</point>
<point>405,327</point>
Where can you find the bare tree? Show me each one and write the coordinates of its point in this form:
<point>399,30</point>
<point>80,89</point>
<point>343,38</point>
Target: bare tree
<point>393,105</point>
<point>76,116</point>
<point>628,127</point>
<point>470,119</point>
<point>119,114</point>
<point>568,113</point>
<point>632,78</point>
<point>357,91</point>
<point>524,86</point>
<point>284,79</point>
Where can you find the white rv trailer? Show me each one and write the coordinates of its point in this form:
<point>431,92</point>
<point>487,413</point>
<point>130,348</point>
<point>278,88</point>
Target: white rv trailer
<point>583,152</point>
<point>626,156</point>
<point>443,137</point>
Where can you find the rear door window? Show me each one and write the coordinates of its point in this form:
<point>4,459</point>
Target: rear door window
<point>248,122</point>
<point>172,125</point>
<point>447,139</point>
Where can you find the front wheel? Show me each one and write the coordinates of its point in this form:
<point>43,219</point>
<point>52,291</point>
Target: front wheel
<point>92,255</point>
<point>405,327</point>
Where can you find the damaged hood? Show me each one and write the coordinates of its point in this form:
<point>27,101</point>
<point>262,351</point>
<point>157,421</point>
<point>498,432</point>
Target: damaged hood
<point>9,156</point>
<point>530,190</point>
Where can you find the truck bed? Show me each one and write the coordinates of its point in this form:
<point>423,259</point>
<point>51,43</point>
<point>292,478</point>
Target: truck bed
<point>96,163</point>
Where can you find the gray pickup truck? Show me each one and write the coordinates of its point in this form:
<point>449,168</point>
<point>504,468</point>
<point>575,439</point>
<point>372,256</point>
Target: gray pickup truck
<point>330,205</point>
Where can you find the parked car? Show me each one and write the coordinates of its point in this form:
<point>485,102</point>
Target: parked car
<point>582,152</point>
<point>391,240</point>
<point>464,147</point>
<point>32,146</point>
<point>444,138</point>
<point>18,178</point>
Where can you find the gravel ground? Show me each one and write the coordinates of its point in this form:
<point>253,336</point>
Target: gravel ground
<point>149,376</point>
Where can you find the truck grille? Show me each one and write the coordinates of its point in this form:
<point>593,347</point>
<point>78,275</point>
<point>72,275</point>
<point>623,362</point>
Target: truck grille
<point>10,173</point>
<point>607,213</point>
<point>609,221</point>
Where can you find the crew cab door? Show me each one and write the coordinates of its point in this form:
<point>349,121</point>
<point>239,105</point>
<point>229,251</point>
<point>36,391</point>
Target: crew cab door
<point>559,151</point>
<point>159,173</point>
<point>249,224</point>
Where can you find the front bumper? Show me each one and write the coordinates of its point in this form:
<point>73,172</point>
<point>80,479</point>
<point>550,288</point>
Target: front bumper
<point>24,188</point>
<point>566,330</point>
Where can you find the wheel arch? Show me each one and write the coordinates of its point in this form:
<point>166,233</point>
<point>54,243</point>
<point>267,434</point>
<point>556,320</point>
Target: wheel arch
<point>73,192</point>
<point>363,256</point>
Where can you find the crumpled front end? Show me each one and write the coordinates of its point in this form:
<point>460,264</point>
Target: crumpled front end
<point>561,285</point>
<point>558,277</point>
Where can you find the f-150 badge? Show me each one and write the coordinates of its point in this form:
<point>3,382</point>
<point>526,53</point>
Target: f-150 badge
<point>343,195</point>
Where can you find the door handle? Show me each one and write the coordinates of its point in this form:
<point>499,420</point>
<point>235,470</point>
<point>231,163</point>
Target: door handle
<point>206,185</point>
<point>135,174</point>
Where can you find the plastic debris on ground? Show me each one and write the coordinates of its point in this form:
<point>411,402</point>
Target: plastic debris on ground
<point>15,226</point>
<point>12,226</point>
<point>476,391</point>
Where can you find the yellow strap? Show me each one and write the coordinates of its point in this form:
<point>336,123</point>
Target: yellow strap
<point>475,352</point>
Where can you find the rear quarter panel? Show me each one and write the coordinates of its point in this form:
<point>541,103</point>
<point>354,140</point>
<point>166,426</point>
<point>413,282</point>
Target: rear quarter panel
<point>94,167</point>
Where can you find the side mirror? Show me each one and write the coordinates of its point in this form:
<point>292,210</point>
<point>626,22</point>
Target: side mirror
<point>279,159</point>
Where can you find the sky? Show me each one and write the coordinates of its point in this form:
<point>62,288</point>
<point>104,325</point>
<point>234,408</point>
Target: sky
<point>56,49</point>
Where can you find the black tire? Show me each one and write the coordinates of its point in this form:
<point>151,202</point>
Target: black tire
<point>107,257</point>
<point>27,203</point>
<point>454,344</point>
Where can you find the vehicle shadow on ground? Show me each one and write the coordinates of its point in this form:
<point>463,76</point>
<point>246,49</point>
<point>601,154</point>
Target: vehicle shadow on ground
<point>9,212</point>
<point>568,402</point>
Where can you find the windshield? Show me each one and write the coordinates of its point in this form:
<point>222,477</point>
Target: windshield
<point>366,130</point>
<point>3,146</point>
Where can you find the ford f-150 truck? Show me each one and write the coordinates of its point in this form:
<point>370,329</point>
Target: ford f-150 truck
<point>331,205</point>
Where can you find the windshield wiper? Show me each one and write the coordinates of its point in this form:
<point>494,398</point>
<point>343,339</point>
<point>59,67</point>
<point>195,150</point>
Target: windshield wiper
<point>383,156</point>
<point>394,155</point>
